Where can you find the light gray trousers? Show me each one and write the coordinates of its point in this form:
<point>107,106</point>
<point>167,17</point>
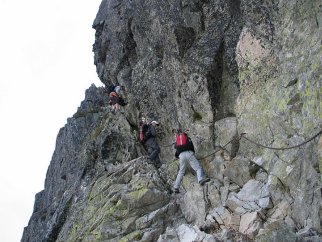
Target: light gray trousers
<point>185,158</point>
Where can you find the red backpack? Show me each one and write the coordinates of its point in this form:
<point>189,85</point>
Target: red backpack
<point>181,138</point>
<point>142,131</point>
<point>113,94</point>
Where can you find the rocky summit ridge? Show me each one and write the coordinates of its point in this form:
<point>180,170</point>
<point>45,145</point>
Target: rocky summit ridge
<point>237,74</point>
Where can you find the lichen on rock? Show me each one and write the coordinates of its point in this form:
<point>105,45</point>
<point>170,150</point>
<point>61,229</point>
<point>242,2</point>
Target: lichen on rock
<point>225,70</point>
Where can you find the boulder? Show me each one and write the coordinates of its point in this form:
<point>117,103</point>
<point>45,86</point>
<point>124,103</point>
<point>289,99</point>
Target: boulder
<point>240,170</point>
<point>250,223</point>
<point>277,231</point>
<point>225,132</point>
<point>218,68</point>
<point>195,195</point>
<point>254,196</point>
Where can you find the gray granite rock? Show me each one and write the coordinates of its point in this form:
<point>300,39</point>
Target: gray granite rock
<point>220,69</point>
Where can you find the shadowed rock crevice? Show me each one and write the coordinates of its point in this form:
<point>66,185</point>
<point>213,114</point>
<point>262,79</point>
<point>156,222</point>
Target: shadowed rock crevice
<point>222,78</point>
<point>61,218</point>
<point>214,80</point>
<point>210,67</point>
<point>130,46</point>
<point>235,7</point>
<point>159,51</point>
<point>130,57</point>
<point>185,38</point>
<point>107,146</point>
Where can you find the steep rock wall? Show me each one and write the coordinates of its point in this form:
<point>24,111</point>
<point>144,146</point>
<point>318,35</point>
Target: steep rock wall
<point>220,69</point>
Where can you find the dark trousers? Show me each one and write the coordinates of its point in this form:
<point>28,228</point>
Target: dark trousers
<point>154,156</point>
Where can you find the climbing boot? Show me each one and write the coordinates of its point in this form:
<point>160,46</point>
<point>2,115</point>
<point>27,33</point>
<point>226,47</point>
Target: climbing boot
<point>175,190</point>
<point>203,181</point>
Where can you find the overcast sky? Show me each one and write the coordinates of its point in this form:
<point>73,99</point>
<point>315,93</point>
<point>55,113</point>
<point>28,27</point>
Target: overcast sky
<point>46,64</point>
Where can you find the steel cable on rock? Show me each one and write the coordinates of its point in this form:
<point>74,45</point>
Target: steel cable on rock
<point>242,135</point>
<point>280,148</point>
<point>167,145</point>
<point>220,148</point>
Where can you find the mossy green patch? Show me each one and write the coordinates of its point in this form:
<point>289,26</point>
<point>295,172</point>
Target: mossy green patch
<point>118,211</point>
<point>187,180</point>
<point>280,170</point>
<point>91,216</point>
<point>96,132</point>
<point>129,224</point>
<point>74,233</point>
<point>137,194</point>
<point>295,99</point>
<point>196,116</point>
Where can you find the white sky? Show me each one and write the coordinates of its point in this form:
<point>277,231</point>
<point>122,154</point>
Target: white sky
<point>46,64</point>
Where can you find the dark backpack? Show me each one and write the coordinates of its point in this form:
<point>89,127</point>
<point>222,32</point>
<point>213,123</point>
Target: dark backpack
<point>142,132</point>
<point>110,89</point>
<point>122,102</point>
<point>181,138</point>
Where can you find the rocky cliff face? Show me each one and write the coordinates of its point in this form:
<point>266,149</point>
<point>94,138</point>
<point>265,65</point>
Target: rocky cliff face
<point>221,69</point>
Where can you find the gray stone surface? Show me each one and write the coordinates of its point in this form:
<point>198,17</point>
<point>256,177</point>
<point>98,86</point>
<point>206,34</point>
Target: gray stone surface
<point>218,68</point>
